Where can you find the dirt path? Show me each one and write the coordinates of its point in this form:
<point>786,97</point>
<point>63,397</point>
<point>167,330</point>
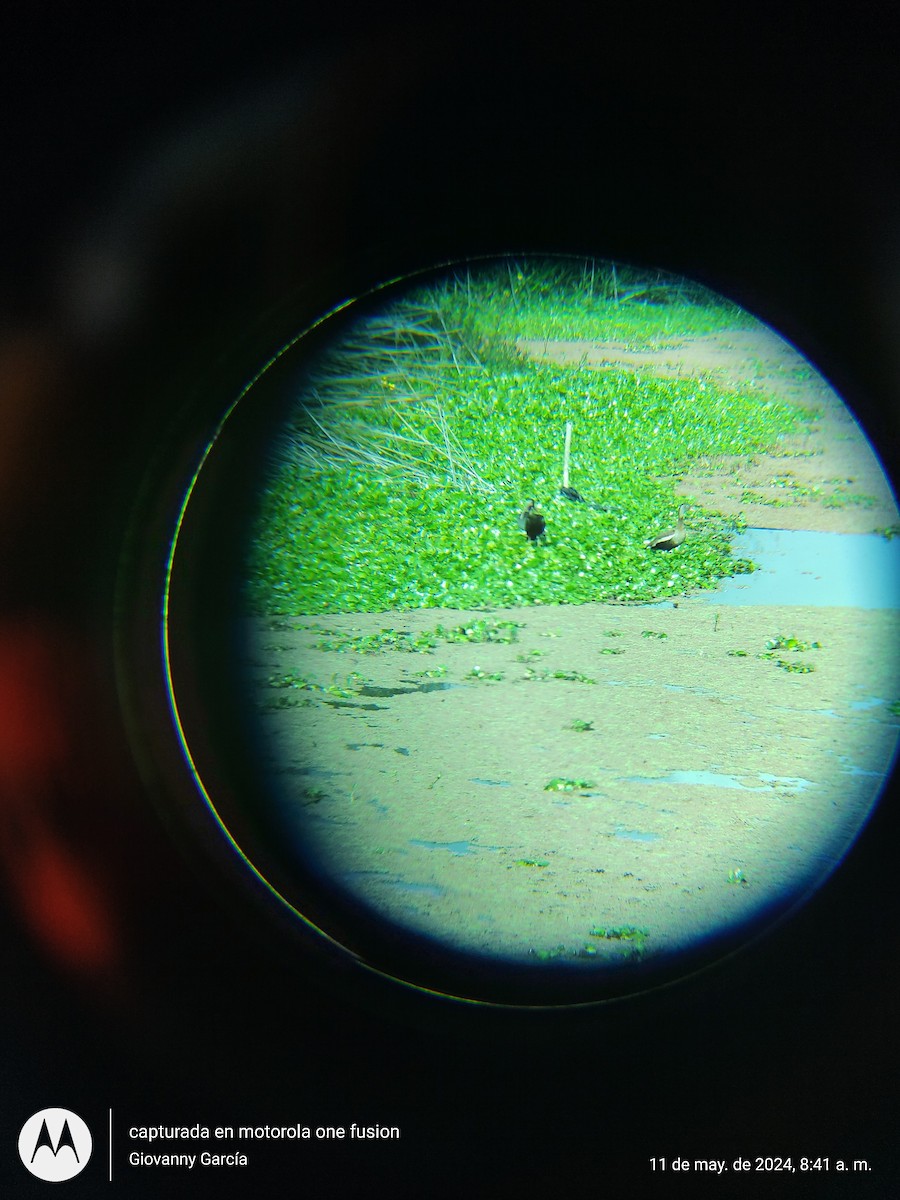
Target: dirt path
<point>617,783</point>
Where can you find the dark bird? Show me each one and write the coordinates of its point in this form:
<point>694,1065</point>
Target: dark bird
<point>532,522</point>
<point>672,537</point>
<point>570,493</point>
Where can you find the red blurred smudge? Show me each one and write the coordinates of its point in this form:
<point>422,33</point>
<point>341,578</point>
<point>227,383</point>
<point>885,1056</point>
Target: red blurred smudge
<point>57,884</point>
<point>64,907</point>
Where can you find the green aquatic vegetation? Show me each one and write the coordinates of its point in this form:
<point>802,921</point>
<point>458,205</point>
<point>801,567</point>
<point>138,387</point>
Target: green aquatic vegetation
<point>894,708</point>
<point>568,785</point>
<point>737,654</point>
<point>738,876</point>
<point>650,633</point>
<point>419,436</point>
<point>612,650</point>
<point>532,862</point>
<point>532,654</point>
<point>580,726</point>
<point>889,532</point>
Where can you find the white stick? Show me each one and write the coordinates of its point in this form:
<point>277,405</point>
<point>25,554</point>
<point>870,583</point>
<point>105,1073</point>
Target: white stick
<point>566,456</point>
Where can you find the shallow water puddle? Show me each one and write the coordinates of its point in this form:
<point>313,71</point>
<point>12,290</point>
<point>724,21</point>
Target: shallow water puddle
<point>635,835</point>
<point>848,767</point>
<point>713,779</point>
<point>395,883</point>
<point>453,847</point>
<point>798,566</point>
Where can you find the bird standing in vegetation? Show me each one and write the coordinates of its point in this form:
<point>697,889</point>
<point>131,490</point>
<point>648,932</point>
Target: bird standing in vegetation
<point>532,522</point>
<point>672,537</point>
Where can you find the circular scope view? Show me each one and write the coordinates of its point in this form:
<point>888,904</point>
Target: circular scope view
<point>571,616</point>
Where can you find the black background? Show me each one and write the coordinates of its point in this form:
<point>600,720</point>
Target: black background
<point>180,189</point>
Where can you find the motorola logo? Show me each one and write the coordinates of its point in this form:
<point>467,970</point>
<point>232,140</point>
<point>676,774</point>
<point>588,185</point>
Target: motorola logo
<point>55,1144</point>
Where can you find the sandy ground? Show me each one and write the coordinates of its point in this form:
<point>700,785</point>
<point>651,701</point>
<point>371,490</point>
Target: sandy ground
<point>703,788</point>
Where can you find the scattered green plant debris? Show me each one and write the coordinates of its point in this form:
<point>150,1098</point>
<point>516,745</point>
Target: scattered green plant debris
<point>293,681</point>
<point>614,633</point>
<point>280,702</point>
<point>650,633</point>
<point>437,672</point>
<point>532,862</point>
<point>795,667</point>
<point>580,726</point>
<point>559,951</point>
<point>738,654</point>
<point>889,532</point>
<point>483,630</point>
<point>572,676</point>
<point>738,876</point>
<point>346,690</point>
<point>635,937</point>
<point>533,676</point>
<point>791,643</point>
<point>532,654</point>
<point>385,639</point>
<point>478,673</point>
<point>842,499</point>
<point>612,650</point>
<point>568,785</point>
